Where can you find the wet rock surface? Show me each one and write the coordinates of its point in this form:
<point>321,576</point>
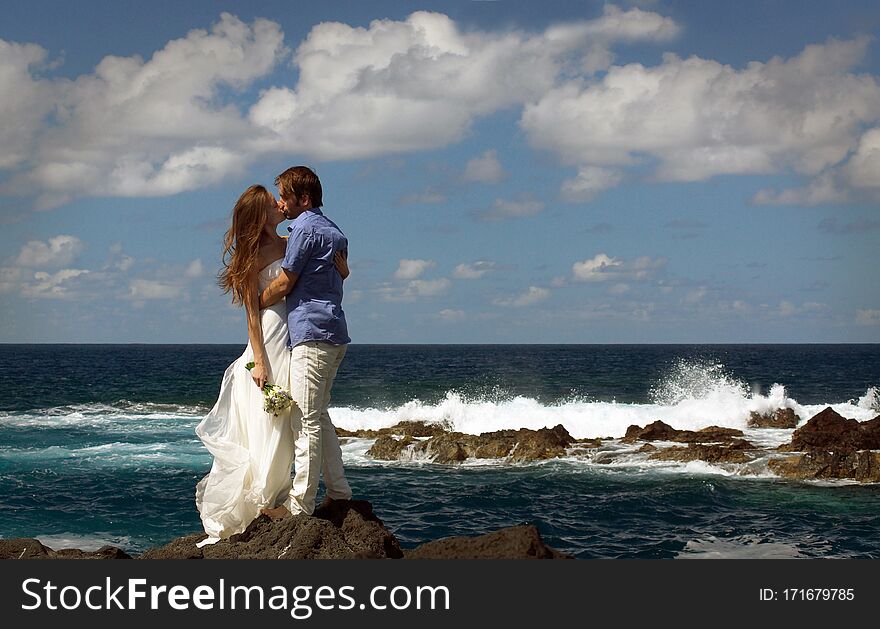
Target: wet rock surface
<point>455,447</point>
<point>516,542</point>
<point>779,418</point>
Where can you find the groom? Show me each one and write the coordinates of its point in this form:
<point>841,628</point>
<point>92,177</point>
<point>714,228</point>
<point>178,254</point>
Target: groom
<point>318,336</point>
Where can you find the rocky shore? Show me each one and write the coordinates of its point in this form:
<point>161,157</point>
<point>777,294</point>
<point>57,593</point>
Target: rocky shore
<point>346,529</point>
<point>827,446</point>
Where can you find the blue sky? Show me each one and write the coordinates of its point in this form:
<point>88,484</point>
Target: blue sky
<point>506,172</point>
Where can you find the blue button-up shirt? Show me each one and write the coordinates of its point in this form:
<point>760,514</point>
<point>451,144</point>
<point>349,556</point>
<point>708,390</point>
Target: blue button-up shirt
<point>314,306</point>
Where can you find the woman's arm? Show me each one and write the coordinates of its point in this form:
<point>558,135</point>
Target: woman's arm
<point>340,260</point>
<point>260,372</point>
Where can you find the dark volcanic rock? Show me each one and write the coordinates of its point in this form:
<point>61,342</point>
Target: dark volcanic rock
<point>401,429</point>
<point>454,447</point>
<point>734,452</point>
<point>659,431</point>
<point>516,542</point>
<point>863,466</point>
<point>388,448</point>
<point>346,529</point>
<point>828,431</point>
<point>27,548</point>
<point>780,418</point>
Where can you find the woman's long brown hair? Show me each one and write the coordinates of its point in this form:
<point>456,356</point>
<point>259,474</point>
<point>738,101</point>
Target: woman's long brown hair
<point>242,242</point>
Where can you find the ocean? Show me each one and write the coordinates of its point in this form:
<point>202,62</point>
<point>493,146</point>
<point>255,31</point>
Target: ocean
<point>97,444</point>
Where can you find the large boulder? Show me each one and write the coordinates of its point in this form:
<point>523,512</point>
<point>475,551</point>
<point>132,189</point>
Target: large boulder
<point>862,466</point>
<point>347,529</point>
<point>828,431</point>
<point>454,447</point>
<point>779,418</point>
<point>660,431</point>
<point>515,542</point>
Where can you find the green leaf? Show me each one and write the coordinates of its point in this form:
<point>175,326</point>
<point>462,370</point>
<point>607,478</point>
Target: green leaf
<point>249,366</point>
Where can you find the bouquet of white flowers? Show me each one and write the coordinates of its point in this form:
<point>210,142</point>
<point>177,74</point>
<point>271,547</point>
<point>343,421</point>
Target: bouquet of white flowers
<point>275,399</point>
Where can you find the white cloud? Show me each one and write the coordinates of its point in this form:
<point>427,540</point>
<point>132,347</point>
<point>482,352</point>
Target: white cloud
<point>603,267</point>
<point>415,289</point>
<point>412,269</point>
<point>448,314</point>
<point>137,128</point>
<point>863,168</point>
<point>533,295</point>
<point>589,182</point>
<point>699,118</point>
<point>57,252</point>
<point>24,101</point>
<point>426,197</point>
<point>9,278</point>
<point>429,288</point>
<point>152,289</point>
<point>51,285</point>
<point>619,289</point>
<point>473,271</point>
<point>597,269</point>
<point>485,168</point>
<point>695,296</point>
<point>503,209</point>
<point>419,83</point>
<point>195,269</point>
<point>868,317</point>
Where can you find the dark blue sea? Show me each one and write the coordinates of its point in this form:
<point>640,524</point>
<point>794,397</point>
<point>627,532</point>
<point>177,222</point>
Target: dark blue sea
<point>97,444</point>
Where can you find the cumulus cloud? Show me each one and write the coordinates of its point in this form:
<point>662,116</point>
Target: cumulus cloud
<point>448,314</point>
<point>602,268</point>
<point>415,289</point>
<point>419,83</point>
<point>505,209</point>
<point>51,285</point>
<point>473,271</point>
<point>589,182</point>
<point>698,118</point>
<point>485,168</point>
<point>426,197</point>
<point>140,290</point>
<point>412,269</point>
<point>136,127</point>
<point>533,295</point>
<point>194,269</point>
<point>57,252</point>
<point>868,317</point>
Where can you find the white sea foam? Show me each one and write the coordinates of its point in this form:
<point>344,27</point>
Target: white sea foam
<point>745,547</point>
<point>727,406</point>
<point>83,542</point>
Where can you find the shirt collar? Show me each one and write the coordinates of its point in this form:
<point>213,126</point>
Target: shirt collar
<point>314,210</point>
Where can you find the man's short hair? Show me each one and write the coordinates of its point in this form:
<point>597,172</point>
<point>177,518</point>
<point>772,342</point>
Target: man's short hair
<point>300,180</point>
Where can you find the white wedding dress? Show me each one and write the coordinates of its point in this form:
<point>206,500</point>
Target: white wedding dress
<point>253,450</point>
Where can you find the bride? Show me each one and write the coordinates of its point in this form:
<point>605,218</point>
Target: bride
<point>253,450</point>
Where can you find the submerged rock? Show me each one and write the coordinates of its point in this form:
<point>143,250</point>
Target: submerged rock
<point>779,418</point>
<point>28,548</point>
<point>515,542</point>
<point>660,431</point>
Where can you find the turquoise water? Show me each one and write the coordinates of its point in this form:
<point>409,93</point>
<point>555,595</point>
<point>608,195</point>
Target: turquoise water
<point>97,444</point>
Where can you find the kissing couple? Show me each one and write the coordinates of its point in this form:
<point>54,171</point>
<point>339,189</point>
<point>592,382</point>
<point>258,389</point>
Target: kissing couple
<point>291,289</point>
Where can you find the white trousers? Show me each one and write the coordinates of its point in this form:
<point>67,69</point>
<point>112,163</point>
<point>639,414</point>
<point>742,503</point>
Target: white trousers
<point>313,368</point>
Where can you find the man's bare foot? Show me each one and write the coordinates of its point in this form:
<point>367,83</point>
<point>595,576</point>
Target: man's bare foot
<point>277,513</point>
